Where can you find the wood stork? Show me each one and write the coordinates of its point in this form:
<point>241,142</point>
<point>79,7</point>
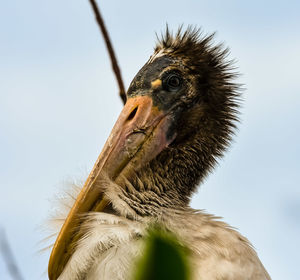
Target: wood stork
<point>179,117</point>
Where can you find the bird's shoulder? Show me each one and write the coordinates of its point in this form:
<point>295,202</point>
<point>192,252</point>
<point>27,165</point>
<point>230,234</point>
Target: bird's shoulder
<point>218,251</point>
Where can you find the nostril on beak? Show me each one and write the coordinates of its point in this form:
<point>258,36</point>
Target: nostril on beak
<point>132,114</point>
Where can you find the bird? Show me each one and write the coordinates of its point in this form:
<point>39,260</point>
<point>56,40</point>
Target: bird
<point>181,112</point>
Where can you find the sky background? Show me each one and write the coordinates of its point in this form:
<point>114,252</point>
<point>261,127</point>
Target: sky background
<point>59,101</point>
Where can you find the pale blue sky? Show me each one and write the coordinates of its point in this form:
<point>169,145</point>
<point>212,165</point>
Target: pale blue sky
<point>58,102</point>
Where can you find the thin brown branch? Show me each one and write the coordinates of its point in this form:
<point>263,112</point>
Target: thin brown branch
<point>8,257</point>
<point>110,49</point>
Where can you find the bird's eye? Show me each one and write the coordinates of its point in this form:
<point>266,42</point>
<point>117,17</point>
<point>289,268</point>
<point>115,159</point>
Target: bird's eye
<point>173,82</point>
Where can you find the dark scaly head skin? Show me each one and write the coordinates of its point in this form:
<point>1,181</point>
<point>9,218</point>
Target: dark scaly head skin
<point>197,89</point>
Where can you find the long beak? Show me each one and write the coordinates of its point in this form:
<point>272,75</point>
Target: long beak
<point>139,134</point>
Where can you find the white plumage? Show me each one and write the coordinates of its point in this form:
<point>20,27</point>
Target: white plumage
<point>112,244</point>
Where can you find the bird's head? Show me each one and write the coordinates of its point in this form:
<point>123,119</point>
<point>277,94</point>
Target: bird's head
<point>178,119</point>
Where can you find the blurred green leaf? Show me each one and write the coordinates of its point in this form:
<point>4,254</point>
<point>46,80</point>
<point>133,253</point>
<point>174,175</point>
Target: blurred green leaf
<point>163,259</point>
